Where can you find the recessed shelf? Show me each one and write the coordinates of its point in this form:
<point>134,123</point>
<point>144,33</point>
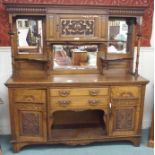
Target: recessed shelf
<point>33,59</point>
<point>79,133</point>
<point>87,124</point>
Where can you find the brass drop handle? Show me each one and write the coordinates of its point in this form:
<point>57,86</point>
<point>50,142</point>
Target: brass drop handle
<point>93,92</point>
<point>64,93</point>
<point>110,109</point>
<point>93,102</point>
<point>64,103</point>
<point>29,98</point>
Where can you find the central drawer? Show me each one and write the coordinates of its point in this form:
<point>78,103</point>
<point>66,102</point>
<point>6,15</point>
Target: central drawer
<point>61,98</point>
<point>67,92</point>
<point>80,101</point>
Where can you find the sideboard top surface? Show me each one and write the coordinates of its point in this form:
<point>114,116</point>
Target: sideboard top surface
<point>79,79</point>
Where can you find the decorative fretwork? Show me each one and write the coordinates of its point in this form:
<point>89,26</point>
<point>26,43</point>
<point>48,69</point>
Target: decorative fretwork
<point>30,124</point>
<point>83,27</point>
<point>124,119</point>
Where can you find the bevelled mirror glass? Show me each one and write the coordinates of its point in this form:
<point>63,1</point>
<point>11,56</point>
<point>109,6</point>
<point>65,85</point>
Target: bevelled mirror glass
<point>75,56</point>
<point>29,36</point>
<point>117,33</point>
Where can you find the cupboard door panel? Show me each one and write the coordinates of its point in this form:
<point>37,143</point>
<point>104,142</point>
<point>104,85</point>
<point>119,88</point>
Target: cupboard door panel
<point>124,120</point>
<point>30,122</point>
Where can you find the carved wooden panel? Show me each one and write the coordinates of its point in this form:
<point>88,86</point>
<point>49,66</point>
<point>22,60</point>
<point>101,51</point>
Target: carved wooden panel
<point>76,27</point>
<point>30,123</point>
<point>83,27</point>
<point>124,119</point>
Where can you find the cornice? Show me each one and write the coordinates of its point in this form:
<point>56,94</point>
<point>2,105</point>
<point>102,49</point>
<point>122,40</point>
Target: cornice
<point>42,9</point>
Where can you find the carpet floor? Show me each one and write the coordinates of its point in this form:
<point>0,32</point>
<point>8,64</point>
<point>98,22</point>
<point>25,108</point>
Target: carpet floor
<point>107,148</point>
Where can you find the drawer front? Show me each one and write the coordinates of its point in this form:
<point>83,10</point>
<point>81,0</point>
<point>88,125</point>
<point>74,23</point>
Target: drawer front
<point>30,95</point>
<point>82,102</point>
<point>125,92</point>
<point>79,92</point>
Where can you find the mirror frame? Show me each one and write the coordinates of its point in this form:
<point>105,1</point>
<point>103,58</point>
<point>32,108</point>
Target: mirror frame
<point>131,22</point>
<point>15,37</point>
<point>75,66</point>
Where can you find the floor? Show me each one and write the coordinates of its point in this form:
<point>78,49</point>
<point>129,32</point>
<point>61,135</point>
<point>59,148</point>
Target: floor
<point>108,148</point>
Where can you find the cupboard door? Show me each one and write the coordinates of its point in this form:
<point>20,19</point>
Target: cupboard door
<point>124,120</point>
<point>124,117</point>
<point>81,27</point>
<point>30,122</point>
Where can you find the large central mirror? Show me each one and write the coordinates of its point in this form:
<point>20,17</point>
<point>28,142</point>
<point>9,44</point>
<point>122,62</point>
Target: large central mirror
<point>75,56</point>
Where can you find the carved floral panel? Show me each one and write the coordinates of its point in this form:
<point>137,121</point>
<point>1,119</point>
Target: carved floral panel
<point>30,124</point>
<point>82,27</point>
<point>124,119</point>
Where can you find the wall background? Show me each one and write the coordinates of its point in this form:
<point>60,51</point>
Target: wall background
<point>146,66</point>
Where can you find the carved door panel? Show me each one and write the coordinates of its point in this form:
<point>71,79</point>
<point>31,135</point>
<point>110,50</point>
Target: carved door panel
<point>81,27</point>
<point>124,120</point>
<point>30,122</point>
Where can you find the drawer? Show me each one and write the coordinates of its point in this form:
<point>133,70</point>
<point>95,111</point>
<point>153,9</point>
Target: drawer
<point>79,92</point>
<point>30,95</point>
<point>125,92</point>
<point>82,102</point>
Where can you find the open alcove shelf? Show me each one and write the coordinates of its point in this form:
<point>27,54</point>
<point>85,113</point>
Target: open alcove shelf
<point>83,125</point>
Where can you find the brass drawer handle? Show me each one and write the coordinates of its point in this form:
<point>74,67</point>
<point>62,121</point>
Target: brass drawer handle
<point>64,93</point>
<point>93,92</point>
<point>29,98</point>
<point>93,102</point>
<point>64,103</point>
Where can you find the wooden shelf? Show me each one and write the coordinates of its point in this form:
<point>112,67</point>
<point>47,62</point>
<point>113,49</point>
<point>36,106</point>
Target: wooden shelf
<point>33,59</point>
<point>108,59</point>
<point>76,42</point>
<point>78,133</point>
